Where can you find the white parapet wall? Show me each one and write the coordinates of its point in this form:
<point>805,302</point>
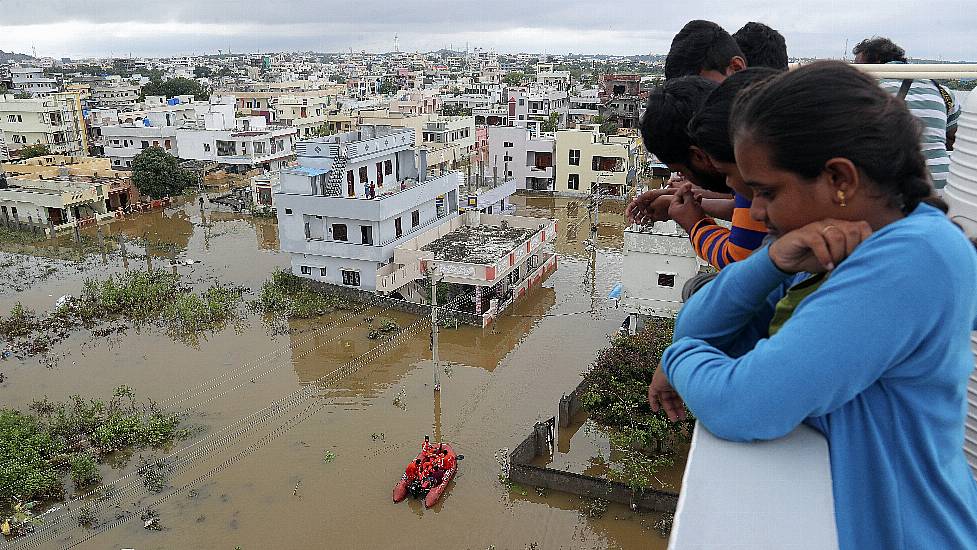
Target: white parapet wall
<point>961,194</point>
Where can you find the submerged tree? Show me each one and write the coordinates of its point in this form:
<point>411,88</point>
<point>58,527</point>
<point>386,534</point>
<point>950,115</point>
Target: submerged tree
<point>156,173</point>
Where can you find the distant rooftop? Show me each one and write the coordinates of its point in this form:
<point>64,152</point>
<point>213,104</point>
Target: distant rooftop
<point>478,244</point>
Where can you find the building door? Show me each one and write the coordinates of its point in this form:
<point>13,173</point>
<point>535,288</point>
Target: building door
<point>350,184</point>
<point>398,229</point>
<point>379,174</point>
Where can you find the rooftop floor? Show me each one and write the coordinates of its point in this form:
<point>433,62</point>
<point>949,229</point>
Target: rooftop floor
<point>478,244</point>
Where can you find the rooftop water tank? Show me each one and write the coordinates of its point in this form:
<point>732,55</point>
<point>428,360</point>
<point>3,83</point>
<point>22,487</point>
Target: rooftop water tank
<point>961,194</point>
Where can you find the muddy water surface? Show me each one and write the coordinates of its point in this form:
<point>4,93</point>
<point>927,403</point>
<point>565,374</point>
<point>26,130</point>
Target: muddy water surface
<point>318,472</point>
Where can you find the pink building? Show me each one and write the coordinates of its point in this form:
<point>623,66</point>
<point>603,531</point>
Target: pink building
<point>481,150</point>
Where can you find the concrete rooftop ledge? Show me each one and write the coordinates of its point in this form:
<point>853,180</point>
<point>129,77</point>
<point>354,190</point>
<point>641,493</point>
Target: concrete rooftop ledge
<point>768,494</point>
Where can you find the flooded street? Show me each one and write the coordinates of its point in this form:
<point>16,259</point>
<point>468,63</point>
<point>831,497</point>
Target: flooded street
<point>317,470</point>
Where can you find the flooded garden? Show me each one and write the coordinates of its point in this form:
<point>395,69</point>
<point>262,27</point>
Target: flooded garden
<point>175,388</point>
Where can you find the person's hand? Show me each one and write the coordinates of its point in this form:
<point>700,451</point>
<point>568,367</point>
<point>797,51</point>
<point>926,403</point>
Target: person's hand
<point>649,206</point>
<point>818,246</point>
<point>661,395</point>
<point>685,209</point>
<point>676,180</point>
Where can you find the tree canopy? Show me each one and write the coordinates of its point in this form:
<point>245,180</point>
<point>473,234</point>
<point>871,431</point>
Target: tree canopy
<point>156,173</point>
<point>176,86</point>
<point>388,86</point>
<point>514,78</point>
<point>552,123</point>
<point>36,150</point>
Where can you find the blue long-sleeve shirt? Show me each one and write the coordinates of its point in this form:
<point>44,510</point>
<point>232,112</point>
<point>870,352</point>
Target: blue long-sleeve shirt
<point>877,359</point>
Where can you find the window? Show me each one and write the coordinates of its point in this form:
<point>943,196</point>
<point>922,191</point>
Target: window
<point>573,182</point>
<point>206,147</point>
<point>398,229</point>
<point>364,176</point>
<point>366,234</point>
<point>415,218</point>
<point>388,167</point>
<point>306,270</point>
<point>339,232</point>
<point>155,143</point>
<point>259,147</point>
<point>351,278</point>
<point>507,144</point>
<point>167,144</point>
<point>574,157</point>
<point>507,158</point>
<point>666,279</point>
<point>288,211</point>
<point>145,145</point>
<point>322,272</point>
<point>522,101</point>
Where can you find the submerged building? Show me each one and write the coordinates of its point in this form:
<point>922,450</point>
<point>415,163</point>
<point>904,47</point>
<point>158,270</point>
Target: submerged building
<point>360,210</point>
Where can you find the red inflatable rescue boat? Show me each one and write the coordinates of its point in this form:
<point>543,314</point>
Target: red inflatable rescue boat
<point>431,487</point>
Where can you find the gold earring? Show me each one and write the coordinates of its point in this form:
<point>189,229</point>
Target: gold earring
<point>841,198</point>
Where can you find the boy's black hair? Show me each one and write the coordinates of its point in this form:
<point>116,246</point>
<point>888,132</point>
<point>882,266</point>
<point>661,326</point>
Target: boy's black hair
<point>709,127</point>
<point>762,46</point>
<point>664,124</point>
<point>879,49</point>
<point>700,45</point>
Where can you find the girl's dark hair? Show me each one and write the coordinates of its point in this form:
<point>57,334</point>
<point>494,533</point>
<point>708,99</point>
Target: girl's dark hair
<point>709,127</point>
<point>830,109</point>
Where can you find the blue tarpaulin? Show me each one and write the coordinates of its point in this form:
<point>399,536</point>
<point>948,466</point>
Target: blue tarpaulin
<point>173,101</point>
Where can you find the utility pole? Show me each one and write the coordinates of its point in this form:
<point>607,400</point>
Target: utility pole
<point>435,277</point>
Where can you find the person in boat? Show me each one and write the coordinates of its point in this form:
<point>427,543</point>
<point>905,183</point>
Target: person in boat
<point>413,471</point>
<point>426,446</point>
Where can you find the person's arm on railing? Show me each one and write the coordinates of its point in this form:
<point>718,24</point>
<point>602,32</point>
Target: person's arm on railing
<point>837,344</point>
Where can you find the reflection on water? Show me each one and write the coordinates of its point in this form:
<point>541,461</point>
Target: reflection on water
<point>573,221</point>
<point>317,352</point>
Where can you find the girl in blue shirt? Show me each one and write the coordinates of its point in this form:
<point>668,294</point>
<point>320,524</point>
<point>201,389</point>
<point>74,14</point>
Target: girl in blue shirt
<point>877,358</point>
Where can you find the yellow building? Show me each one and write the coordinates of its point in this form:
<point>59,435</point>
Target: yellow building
<point>586,158</point>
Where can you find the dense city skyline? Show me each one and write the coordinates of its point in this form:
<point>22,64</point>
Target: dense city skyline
<point>813,28</point>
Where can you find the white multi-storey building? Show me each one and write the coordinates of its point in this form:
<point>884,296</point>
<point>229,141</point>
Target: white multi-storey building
<point>536,104</point>
<point>515,153</point>
<point>584,106</point>
<point>55,121</point>
<point>33,81</point>
<point>116,93</point>
<point>353,198</point>
<point>237,143</point>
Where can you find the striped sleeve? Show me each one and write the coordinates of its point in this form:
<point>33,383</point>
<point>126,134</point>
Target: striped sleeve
<point>746,234</point>
<point>720,246</point>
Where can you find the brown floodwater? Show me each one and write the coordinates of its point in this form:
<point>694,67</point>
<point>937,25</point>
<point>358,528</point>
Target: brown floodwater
<point>319,473</point>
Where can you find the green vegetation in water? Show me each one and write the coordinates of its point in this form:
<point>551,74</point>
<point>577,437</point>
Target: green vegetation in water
<point>293,297</point>
<point>137,296</point>
<point>616,398</point>
<point>40,447</point>
<point>381,326</point>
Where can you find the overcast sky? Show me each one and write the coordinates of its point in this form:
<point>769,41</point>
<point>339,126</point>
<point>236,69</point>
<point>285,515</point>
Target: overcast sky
<point>813,28</point>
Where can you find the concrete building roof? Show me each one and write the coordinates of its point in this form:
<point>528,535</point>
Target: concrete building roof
<point>478,244</point>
